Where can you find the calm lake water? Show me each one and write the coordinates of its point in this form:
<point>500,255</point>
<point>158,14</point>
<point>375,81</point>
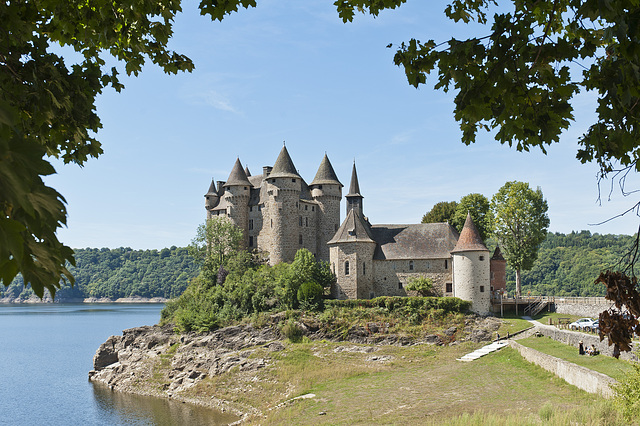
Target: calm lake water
<point>46,353</point>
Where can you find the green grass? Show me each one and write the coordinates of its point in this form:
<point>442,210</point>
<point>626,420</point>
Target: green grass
<point>420,385</point>
<point>604,364</point>
<point>513,325</point>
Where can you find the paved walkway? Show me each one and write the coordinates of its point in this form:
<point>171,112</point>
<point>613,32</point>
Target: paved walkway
<point>484,350</point>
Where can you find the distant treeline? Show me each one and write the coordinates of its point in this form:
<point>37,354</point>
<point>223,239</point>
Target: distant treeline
<point>569,264</point>
<point>122,272</point>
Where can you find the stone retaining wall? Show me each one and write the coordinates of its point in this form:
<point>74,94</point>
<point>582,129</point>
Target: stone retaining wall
<point>579,309</point>
<point>581,377</point>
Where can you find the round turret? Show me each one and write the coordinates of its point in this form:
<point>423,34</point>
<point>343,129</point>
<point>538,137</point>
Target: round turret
<point>471,269</point>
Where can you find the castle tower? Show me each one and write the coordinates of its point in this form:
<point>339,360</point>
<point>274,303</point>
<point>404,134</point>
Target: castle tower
<point>211,198</point>
<point>236,194</point>
<point>283,185</point>
<point>326,190</point>
<point>471,269</point>
<point>354,198</point>
<point>351,252</point>
<point>498,268</point>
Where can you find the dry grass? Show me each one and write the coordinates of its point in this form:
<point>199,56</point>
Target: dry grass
<point>416,385</point>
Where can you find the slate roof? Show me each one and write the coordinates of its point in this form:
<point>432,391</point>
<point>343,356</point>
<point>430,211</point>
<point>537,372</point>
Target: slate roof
<point>497,254</point>
<point>326,175</point>
<point>246,171</point>
<point>354,228</point>
<point>212,189</point>
<point>354,187</point>
<point>418,241</point>
<point>237,176</point>
<point>284,166</point>
<point>470,239</point>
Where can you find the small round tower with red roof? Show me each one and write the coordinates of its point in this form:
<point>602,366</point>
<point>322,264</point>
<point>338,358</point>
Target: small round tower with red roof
<point>471,272</point>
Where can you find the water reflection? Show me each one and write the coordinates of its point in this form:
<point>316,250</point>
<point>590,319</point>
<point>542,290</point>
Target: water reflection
<point>129,409</point>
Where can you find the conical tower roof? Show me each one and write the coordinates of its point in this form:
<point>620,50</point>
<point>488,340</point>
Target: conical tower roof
<point>354,188</point>
<point>284,166</point>
<point>212,188</point>
<point>325,175</point>
<point>470,239</point>
<point>237,176</point>
<point>497,254</point>
<point>354,229</point>
<point>246,171</point>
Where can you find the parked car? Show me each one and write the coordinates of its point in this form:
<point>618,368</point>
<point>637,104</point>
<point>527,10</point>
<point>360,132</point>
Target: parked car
<point>595,327</point>
<point>581,324</point>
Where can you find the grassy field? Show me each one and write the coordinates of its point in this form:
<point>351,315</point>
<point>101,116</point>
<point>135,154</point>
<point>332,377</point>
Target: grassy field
<point>612,367</point>
<point>404,385</point>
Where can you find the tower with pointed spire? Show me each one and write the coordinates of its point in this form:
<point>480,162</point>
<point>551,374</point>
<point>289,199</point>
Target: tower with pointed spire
<point>326,191</point>
<point>471,268</point>
<point>277,210</point>
<point>354,198</point>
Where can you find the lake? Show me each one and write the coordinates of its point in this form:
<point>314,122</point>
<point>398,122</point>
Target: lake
<point>46,353</point>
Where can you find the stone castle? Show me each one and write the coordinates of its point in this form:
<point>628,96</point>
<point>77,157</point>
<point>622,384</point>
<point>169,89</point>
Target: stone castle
<point>280,213</point>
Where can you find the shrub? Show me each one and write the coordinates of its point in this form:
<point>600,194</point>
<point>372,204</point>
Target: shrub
<point>627,394</point>
<point>421,285</point>
<point>292,331</point>
<point>310,296</point>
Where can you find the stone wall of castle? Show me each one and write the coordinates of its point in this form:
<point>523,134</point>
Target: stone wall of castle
<point>392,276</point>
<point>328,198</point>
<point>356,279</point>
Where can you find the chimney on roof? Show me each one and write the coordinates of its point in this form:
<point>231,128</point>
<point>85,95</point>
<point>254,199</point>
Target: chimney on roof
<point>220,183</point>
<point>266,171</point>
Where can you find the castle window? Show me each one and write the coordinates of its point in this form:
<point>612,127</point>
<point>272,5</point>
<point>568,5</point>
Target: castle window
<point>293,180</point>
<point>364,268</point>
<point>481,289</point>
<point>272,223</point>
<point>306,221</point>
<point>346,267</point>
<point>411,265</point>
<point>273,181</point>
<point>313,208</point>
<point>399,286</point>
<point>245,188</point>
<point>250,208</point>
<point>300,239</point>
<point>481,258</point>
<point>306,207</point>
<point>372,295</point>
<point>449,287</point>
<point>300,220</point>
<point>446,264</point>
<point>250,224</point>
<point>336,228</point>
<point>319,186</point>
<point>492,276</point>
<point>250,241</point>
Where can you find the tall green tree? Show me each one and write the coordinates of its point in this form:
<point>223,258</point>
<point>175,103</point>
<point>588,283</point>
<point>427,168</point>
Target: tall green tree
<point>521,223</point>
<point>440,212</point>
<point>216,241</point>
<point>478,206</point>
<point>47,109</point>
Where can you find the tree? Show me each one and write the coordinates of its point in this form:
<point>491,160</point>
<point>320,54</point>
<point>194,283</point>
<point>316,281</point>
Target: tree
<point>521,223</point>
<point>478,206</point>
<point>47,108</point>
<point>421,285</point>
<point>215,242</point>
<point>441,212</point>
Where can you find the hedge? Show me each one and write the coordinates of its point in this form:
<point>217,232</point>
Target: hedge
<point>448,304</point>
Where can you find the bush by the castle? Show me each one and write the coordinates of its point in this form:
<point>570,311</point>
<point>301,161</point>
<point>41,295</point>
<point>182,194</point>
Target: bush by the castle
<point>391,303</point>
<point>310,296</point>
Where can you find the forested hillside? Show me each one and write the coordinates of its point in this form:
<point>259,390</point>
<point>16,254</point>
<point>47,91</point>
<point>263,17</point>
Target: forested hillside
<point>122,272</point>
<point>568,265</point>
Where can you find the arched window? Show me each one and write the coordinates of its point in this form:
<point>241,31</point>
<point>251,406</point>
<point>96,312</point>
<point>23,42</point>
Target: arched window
<point>364,268</point>
<point>346,267</point>
<point>411,265</point>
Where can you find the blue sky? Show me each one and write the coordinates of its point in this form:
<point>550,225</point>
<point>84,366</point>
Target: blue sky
<point>292,71</point>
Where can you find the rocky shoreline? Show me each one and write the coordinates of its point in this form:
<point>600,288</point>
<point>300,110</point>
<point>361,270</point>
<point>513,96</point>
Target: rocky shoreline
<point>155,361</point>
<point>47,299</point>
